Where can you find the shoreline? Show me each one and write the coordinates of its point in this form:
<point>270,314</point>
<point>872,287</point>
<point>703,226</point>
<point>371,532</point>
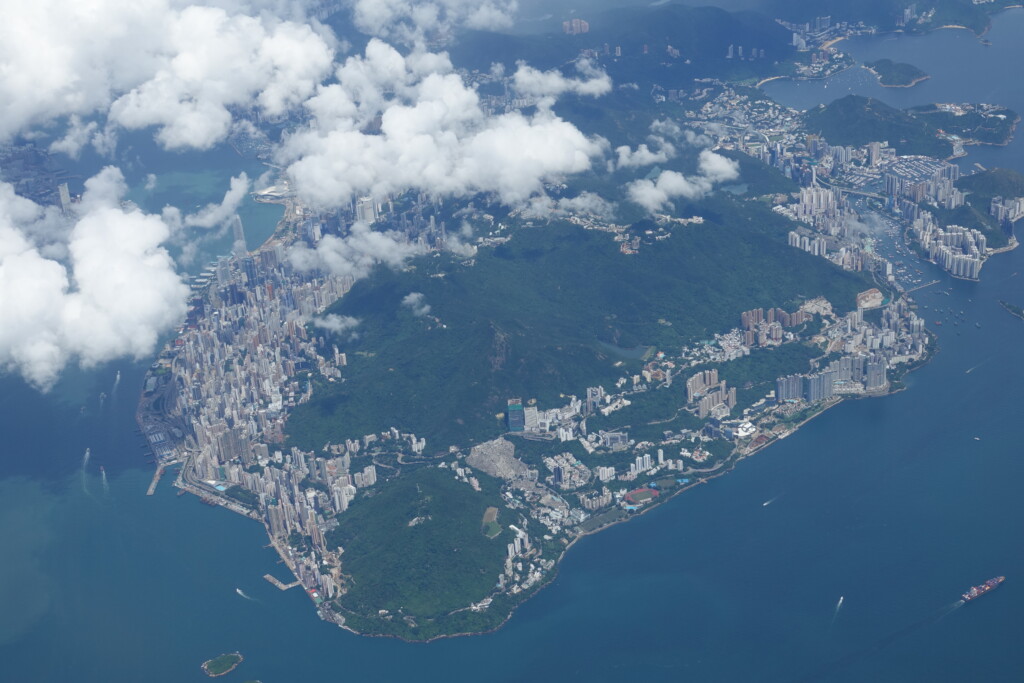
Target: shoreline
<point>911,84</point>
<point>222,673</point>
<point>804,78</point>
<point>724,468</point>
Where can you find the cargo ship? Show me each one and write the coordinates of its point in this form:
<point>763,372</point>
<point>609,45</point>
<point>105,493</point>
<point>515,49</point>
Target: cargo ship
<point>978,591</point>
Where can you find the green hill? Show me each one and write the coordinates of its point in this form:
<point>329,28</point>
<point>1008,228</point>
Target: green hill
<point>857,120</point>
<point>550,312</point>
<point>997,182</point>
<point>994,127</point>
<point>896,74</point>
<point>702,35</point>
<point>416,548</point>
<point>884,13</point>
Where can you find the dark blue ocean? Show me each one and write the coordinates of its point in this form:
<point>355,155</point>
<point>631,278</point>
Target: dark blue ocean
<point>895,504</point>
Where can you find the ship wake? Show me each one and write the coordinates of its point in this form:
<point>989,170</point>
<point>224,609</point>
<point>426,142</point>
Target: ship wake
<point>885,641</point>
<point>85,464</point>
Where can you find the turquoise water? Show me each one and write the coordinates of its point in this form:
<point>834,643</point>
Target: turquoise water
<point>962,69</point>
<point>890,503</point>
<point>186,180</point>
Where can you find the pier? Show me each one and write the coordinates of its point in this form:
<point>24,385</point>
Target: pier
<point>156,480</point>
<point>927,284</point>
<point>282,586</point>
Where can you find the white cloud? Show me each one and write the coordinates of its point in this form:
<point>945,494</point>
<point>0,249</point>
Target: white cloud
<point>433,136</point>
<point>532,82</point>
<point>412,21</point>
<point>458,243</point>
<point>165,63</point>
<point>586,203</point>
<point>643,156</point>
<point>213,220</point>
<point>217,61</point>
<point>414,301</point>
<point>77,136</point>
<point>113,295</point>
<point>356,253</point>
<point>667,128</point>
<point>339,324</point>
<point>655,195</point>
<point>216,215</point>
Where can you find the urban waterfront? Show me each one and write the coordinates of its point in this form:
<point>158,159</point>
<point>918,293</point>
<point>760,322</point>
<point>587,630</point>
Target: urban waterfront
<point>891,503</point>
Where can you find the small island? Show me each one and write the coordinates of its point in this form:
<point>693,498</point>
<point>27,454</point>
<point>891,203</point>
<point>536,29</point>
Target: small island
<point>224,664</point>
<point>1015,311</point>
<point>896,74</point>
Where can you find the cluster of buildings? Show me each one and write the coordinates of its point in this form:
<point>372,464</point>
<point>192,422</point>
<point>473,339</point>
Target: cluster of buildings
<point>1006,211</point>
<point>958,250</point>
<point>711,396</point>
<point>232,372</point>
<point>868,352</point>
<point>574,27</point>
<point>912,180</point>
<point>831,176</point>
<point>566,471</point>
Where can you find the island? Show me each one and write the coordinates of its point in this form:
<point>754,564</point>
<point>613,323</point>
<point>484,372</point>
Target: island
<point>892,74</point>
<point>222,664</point>
<point>1015,311</point>
<point>425,437</point>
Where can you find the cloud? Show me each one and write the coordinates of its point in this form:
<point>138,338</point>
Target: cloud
<point>585,203</point>
<point>531,82</point>
<point>414,301</point>
<point>458,244</point>
<point>182,68</point>
<point>339,324</point>
<point>77,136</point>
<point>655,195</point>
<point>213,220</point>
<point>433,136</point>
<point>355,254</point>
<point>113,295</point>
<point>413,21</point>
<point>643,156</point>
<point>659,147</point>
<point>216,215</point>
<point>221,61</point>
<point>669,129</point>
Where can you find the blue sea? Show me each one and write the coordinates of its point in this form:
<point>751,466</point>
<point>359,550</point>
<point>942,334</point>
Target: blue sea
<point>896,505</point>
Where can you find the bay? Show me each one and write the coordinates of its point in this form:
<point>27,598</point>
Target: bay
<point>896,504</point>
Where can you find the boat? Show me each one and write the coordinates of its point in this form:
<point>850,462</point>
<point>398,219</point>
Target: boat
<point>978,591</point>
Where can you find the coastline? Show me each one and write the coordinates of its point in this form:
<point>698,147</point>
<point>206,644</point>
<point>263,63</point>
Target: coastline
<point>724,468</point>
<point>911,84</point>
<point>804,78</point>
<point>222,673</point>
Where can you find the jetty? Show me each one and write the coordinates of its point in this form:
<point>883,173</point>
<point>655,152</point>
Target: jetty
<point>156,480</point>
<point>282,586</point>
